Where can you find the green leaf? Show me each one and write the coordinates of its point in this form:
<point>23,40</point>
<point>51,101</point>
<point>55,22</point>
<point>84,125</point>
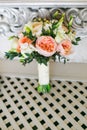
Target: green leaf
<point>29,35</point>
<point>45,32</point>
<point>55,14</point>
<point>54,25</point>
<point>27,29</point>
<point>40,58</point>
<point>24,60</point>
<point>11,37</point>
<point>64,60</point>
<point>11,55</point>
<point>69,25</point>
<point>70,22</point>
<point>78,39</point>
<point>75,42</point>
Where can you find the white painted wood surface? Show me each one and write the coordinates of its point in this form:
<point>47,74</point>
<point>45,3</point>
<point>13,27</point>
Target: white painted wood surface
<point>33,3</point>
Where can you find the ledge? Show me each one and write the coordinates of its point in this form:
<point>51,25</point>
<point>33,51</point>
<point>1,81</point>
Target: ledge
<point>58,71</point>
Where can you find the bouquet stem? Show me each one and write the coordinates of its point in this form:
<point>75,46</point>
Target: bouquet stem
<point>43,77</point>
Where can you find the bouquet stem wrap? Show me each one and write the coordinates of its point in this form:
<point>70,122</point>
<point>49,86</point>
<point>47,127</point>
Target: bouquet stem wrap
<point>43,77</point>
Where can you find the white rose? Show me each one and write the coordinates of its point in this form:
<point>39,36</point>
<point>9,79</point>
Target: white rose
<point>61,35</point>
<point>25,48</point>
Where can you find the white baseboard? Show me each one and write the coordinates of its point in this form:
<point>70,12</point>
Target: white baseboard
<point>68,71</point>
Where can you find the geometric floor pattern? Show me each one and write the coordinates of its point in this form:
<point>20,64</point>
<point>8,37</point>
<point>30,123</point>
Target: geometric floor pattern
<point>23,108</point>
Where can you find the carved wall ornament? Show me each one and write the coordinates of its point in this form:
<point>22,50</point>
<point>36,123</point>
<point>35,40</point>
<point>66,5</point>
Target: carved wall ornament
<point>12,20</point>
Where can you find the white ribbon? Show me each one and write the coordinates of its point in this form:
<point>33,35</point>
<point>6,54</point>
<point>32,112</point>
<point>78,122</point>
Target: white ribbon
<point>43,74</point>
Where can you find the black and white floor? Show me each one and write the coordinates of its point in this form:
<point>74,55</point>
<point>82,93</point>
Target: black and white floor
<point>23,108</point>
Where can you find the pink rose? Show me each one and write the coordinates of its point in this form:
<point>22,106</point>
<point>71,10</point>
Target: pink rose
<point>65,47</point>
<point>46,46</point>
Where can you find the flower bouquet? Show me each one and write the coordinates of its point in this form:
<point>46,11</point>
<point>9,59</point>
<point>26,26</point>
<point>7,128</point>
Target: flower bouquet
<point>44,40</point>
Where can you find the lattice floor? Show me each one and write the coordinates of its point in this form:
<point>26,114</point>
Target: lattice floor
<point>23,108</point>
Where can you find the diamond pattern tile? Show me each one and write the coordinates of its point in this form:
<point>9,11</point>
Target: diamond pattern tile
<point>23,108</point>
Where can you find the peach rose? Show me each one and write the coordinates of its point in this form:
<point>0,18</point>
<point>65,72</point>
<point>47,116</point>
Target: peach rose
<point>65,47</point>
<point>46,46</point>
<point>23,40</point>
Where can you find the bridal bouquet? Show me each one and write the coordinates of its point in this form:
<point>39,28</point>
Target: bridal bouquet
<point>44,40</point>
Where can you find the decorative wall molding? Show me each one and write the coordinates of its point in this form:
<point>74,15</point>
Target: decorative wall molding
<point>12,20</point>
<point>44,3</point>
